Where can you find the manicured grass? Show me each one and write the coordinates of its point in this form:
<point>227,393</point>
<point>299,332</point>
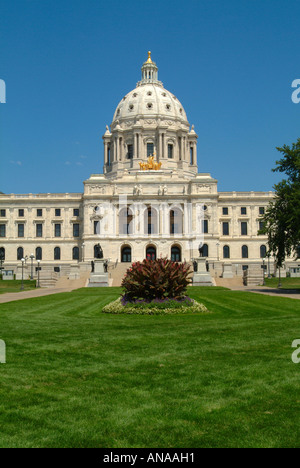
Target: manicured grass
<point>8,286</point>
<point>287,283</point>
<point>78,378</point>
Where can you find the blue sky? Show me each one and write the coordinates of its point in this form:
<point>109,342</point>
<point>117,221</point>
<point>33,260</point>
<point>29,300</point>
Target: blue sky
<point>67,64</point>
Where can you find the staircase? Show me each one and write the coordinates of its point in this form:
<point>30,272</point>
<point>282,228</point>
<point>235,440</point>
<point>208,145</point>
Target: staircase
<point>117,272</point>
<point>48,279</point>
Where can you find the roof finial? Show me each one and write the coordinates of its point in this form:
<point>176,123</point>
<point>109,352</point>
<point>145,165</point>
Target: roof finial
<point>149,57</point>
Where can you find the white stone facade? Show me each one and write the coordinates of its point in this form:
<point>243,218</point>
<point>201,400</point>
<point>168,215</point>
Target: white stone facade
<point>129,210</point>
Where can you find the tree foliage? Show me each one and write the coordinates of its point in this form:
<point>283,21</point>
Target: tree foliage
<point>282,218</point>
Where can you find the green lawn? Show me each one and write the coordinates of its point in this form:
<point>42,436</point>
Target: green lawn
<point>78,378</point>
<point>8,286</point>
<point>287,283</point>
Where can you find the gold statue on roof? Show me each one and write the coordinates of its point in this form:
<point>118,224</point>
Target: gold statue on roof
<point>151,165</point>
<point>149,57</point>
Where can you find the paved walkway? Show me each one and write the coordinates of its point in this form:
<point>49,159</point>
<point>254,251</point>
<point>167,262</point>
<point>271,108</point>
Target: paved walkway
<point>9,297</point>
<point>235,284</point>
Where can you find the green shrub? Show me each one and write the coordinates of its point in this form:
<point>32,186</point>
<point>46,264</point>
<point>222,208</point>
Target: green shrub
<point>156,279</point>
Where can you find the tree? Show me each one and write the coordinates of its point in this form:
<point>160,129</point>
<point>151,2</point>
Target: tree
<point>282,217</point>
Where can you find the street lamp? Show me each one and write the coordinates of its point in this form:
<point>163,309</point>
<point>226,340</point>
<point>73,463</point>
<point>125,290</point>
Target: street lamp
<point>269,266</point>
<point>218,245</point>
<point>279,284</point>
<point>22,283</point>
<point>32,257</point>
<point>38,271</point>
<point>82,252</point>
<point>264,282</point>
<point>1,260</point>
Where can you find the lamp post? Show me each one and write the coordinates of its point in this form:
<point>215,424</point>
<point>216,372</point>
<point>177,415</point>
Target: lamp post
<point>82,252</point>
<point>279,284</point>
<point>22,283</point>
<point>38,271</point>
<point>218,254</point>
<point>1,260</point>
<point>264,282</point>
<point>269,266</point>
<point>32,257</point>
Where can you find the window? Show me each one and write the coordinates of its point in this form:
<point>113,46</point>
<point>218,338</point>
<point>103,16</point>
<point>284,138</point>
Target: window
<point>96,227</point>
<point>170,151</point>
<point>76,212</point>
<point>225,211</point>
<point>226,251</point>
<point>20,230</point>
<point>38,253</point>
<point>2,254</point>
<point>129,151</point>
<point>205,226</point>
<point>126,254</point>
<point>176,221</point>
<point>57,253</point>
<point>57,230</point>
<point>151,221</point>
<point>57,211</point>
<point>151,253</point>
<point>191,155</point>
<point>244,229</point>
<point>21,213</point>
<point>263,251</point>
<point>175,254</point>
<point>39,212</point>
<point>261,225</point>
<point>243,211</point>
<point>125,221</point>
<point>2,230</point>
<point>150,149</point>
<point>245,252</point>
<point>203,251</point>
<point>20,253</point>
<point>39,230</point>
<point>76,230</point>
<point>75,253</point>
<point>262,210</point>
<point>225,229</point>
<point>2,213</point>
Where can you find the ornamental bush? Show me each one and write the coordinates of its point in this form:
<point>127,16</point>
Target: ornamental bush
<point>156,279</point>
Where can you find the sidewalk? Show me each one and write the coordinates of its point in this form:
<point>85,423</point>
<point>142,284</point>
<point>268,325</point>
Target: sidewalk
<point>235,284</point>
<point>10,297</point>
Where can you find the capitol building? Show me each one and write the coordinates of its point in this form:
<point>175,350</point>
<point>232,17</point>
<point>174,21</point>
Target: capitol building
<point>150,201</point>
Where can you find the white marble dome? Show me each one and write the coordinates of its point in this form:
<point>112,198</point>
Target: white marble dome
<point>150,101</point>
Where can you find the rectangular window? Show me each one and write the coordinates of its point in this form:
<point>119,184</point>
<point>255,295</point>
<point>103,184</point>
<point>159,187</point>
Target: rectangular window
<point>76,212</point>
<point>2,213</point>
<point>57,212</point>
<point>191,155</point>
<point>150,149</point>
<point>261,225</point>
<point>262,210</point>
<point>39,212</point>
<point>57,230</point>
<point>226,229</point>
<point>170,151</point>
<point>39,230</point>
<point>244,229</point>
<point>225,211</point>
<point>21,213</point>
<point>96,227</point>
<point>20,230</point>
<point>2,230</point>
<point>129,151</point>
<point>205,226</point>
<point>76,230</point>
<point>243,211</point>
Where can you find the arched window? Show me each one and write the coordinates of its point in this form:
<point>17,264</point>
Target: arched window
<point>151,253</point>
<point>75,253</point>
<point>226,251</point>
<point>203,251</point>
<point>151,225</point>
<point>38,253</point>
<point>176,253</point>
<point>57,253</point>
<point>125,221</point>
<point>126,254</point>
<point>263,251</point>
<point>245,252</point>
<point>20,253</point>
<point>176,221</point>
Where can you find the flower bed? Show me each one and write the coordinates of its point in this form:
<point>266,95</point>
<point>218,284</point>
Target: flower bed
<point>185,305</point>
